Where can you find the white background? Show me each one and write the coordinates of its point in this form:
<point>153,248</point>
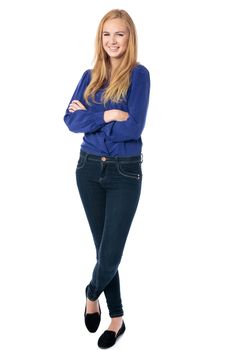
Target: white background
<point>176,272</point>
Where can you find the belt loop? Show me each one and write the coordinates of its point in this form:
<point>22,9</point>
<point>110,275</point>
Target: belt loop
<point>86,156</point>
<point>141,157</point>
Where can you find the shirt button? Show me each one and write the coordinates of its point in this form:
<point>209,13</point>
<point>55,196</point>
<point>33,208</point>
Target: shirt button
<point>103,159</point>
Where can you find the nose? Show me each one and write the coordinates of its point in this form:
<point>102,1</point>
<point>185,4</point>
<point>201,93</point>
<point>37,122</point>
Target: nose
<point>113,39</point>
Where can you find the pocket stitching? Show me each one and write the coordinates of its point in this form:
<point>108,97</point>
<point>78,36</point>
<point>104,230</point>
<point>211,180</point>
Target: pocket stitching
<point>82,164</point>
<point>132,176</point>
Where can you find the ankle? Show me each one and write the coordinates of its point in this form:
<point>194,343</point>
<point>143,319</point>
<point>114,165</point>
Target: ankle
<point>92,306</point>
<point>116,319</point>
<point>115,324</point>
<point>92,301</point>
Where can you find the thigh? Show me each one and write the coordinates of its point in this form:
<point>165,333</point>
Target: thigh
<point>121,204</point>
<point>93,198</point>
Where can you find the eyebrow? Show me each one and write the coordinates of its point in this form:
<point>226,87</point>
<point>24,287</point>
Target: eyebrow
<point>120,31</point>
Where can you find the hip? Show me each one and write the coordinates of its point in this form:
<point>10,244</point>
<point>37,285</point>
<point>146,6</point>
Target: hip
<point>91,166</point>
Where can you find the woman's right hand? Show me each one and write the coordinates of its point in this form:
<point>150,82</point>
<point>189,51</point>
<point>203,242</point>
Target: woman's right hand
<point>75,105</point>
<point>115,115</point>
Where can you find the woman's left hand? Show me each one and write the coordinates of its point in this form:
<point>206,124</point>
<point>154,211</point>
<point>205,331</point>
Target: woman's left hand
<point>115,115</point>
<point>75,105</point>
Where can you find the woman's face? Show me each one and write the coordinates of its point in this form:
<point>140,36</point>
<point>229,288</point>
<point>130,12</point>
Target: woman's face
<point>115,38</point>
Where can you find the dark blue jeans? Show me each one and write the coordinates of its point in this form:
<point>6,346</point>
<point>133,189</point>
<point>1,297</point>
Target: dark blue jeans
<point>109,188</point>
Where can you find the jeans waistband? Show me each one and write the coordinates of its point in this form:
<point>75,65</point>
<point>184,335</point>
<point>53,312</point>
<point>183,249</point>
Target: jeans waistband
<point>111,159</point>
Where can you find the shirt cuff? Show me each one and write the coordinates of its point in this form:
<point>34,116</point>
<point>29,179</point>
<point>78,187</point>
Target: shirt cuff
<point>99,119</point>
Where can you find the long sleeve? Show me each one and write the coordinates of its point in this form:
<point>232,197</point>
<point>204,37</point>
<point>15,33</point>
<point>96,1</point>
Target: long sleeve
<point>83,121</point>
<point>138,101</point>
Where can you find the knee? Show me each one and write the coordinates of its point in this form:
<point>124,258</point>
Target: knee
<point>109,264</point>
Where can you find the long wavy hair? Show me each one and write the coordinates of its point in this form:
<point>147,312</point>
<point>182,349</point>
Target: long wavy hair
<point>119,82</point>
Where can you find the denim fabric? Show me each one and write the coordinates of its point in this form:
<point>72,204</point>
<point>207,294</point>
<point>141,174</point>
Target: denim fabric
<point>109,188</point>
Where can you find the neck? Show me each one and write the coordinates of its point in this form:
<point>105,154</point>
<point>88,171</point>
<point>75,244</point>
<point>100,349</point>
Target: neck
<point>115,62</point>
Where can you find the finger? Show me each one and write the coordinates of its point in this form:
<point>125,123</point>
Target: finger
<point>79,104</point>
<point>74,106</point>
<point>71,108</point>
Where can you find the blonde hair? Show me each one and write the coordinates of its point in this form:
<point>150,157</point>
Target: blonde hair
<point>120,80</point>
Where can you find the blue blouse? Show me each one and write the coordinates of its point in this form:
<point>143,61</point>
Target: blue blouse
<point>113,138</point>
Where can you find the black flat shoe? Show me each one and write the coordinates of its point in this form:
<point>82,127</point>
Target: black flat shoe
<point>92,320</point>
<point>108,338</point>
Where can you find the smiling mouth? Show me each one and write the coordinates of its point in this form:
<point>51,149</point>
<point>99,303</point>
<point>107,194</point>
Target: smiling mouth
<point>113,48</point>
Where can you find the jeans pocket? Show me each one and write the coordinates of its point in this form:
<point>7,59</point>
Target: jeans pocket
<point>131,170</point>
<point>81,162</point>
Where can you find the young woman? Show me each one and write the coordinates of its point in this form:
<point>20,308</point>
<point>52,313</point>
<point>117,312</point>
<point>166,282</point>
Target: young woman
<point>109,106</point>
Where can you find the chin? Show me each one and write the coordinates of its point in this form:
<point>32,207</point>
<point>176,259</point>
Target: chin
<point>115,55</point>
